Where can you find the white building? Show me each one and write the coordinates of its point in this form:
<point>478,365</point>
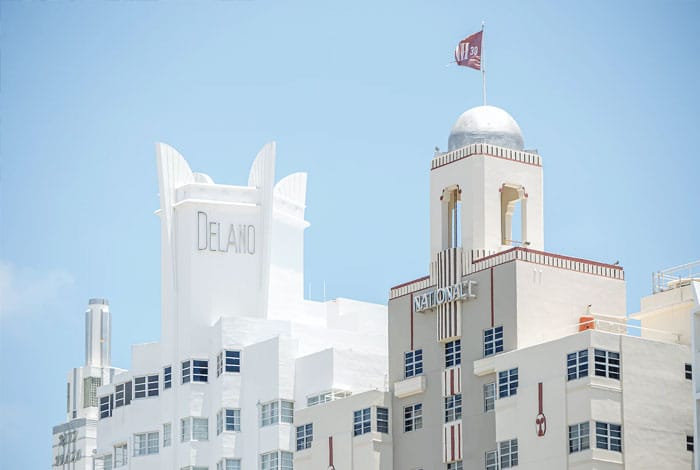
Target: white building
<point>240,347</point>
<point>74,441</point>
<point>506,355</point>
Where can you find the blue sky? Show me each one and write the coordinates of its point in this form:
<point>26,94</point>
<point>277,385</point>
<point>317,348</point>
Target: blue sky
<point>355,93</point>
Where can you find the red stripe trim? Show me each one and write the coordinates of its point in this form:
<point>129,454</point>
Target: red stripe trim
<point>411,313</point>
<point>493,319</point>
<point>486,155</point>
<point>539,395</point>
<point>553,255</point>
<point>410,282</point>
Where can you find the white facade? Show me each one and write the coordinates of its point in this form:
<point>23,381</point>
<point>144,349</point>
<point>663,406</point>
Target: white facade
<point>74,441</point>
<point>240,348</point>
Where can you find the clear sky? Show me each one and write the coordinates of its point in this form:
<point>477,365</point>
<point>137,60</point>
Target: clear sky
<point>355,93</point>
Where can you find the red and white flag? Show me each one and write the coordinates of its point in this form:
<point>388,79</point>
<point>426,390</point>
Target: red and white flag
<point>468,51</point>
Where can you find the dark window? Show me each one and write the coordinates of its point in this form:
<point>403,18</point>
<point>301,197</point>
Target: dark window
<point>689,371</point>
<point>383,420</point>
<point>493,341</point>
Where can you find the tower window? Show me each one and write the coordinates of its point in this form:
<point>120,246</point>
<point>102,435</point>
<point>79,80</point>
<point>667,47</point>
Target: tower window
<point>451,217</point>
<point>513,215</point>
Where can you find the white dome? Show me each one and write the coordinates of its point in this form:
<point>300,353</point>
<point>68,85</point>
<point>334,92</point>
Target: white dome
<point>485,125</point>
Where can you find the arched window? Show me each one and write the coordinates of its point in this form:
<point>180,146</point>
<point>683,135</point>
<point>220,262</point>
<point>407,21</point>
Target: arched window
<point>513,215</point>
<point>451,217</point>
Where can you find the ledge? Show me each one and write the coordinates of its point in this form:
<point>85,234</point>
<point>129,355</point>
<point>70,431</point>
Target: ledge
<point>485,366</point>
<point>409,387</point>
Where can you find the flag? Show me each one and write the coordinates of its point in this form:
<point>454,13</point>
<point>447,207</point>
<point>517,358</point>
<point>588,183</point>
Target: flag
<point>468,51</point>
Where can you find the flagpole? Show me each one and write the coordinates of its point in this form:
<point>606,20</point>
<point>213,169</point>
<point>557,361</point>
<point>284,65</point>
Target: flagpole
<point>483,62</point>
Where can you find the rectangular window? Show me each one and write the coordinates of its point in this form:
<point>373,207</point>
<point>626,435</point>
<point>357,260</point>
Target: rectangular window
<point>412,417</point>
<point>453,408</point>
<point>453,353</point>
<point>200,370</point>
<point>491,460</point>
<point>607,364</point>
<point>120,455</point>
<point>105,408</point>
<point>689,371</point>
<point>229,464</point>
<point>119,395</point>
<point>689,443</point>
<point>608,436</point>
<point>383,420</point>
<point>269,413</point>
<point>146,443</point>
<point>139,387</point>
<point>413,363</point>
<point>185,429</point>
<point>305,435</point>
<point>287,415</point>
<point>455,465</point>
<point>489,396</point>
<point>362,422</point>
<point>200,429</point>
<point>508,451</point>
<point>90,385</point>
<point>167,434</point>
<point>219,364</point>
<point>579,437</point>
<point>152,390</point>
<point>228,419</point>
<point>577,365</point>
<point>278,460</point>
<point>507,383</point>
<point>185,372</point>
<point>233,361</point>
<point>127,392</point>
<point>167,377</point>
<point>493,341</point>
<point>107,462</point>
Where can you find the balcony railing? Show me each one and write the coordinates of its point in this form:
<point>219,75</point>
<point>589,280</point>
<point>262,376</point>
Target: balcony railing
<point>676,277</point>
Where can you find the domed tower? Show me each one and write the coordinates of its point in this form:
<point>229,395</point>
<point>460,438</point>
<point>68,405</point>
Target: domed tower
<point>486,191</point>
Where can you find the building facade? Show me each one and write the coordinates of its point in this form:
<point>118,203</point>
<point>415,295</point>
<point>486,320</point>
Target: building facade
<point>506,355</point>
<point>241,349</point>
<point>74,441</point>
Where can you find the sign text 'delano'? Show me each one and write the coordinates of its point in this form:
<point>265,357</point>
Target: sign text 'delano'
<point>213,235</point>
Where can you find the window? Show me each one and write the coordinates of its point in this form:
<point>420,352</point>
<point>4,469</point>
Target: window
<point>167,434</point>
<point>269,413</point>
<point>579,437</point>
<point>90,385</point>
<point>491,460</point>
<point>146,386</point>
<point>327,396</point>
<point>690,443</point>
<point>194,429</point>
<point>455,465</point>
<point>228,464</point>
<point>106,462</point>
<point>508,451</point>
<point>287,415</point>
<point>119,395</point>
<point>577,365</point>
<point>228,361</point>
<point>412,417</point>
<point>607,364</point>
<point>361,422</point>
<point>453,353</point>
<point>507,383</point>
<point>120,455</point>
<point>105,406</point>
<point>413,363</point>
<point>228,419</point>
<point>167,377</point>
<point>489,396</point>
<point>200,429</point>
<point>278,460</point>
<point>146,443</point>
<point>185,372</point>
<point>383,420</point>
<point>305,434</point>
<point>493,341</point>
<point>608,436</point>
<point>453,408</point>
<point>200,370</point>
<point>689,371</point>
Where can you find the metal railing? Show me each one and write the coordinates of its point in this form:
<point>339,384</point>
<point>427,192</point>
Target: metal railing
<point>674,277</point>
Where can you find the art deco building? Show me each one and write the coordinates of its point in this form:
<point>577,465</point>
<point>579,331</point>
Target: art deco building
<point>240,349</point>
